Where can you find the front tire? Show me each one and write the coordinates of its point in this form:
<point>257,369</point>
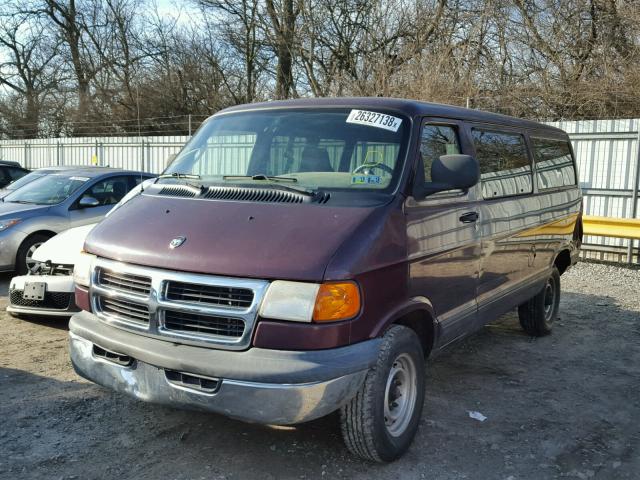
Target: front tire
<point>24,260</point>
<point>538,314</point>
<point>379,423</point>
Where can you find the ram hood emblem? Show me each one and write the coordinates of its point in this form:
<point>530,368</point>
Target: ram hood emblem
<point>176,242</point>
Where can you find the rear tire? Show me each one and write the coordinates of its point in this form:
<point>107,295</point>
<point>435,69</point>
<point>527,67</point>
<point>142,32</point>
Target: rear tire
<point>379,423</point>
<point>23,257</point>
<point>538,314</point>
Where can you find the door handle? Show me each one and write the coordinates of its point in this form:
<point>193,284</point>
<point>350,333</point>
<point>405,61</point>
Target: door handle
<point>469,217</point>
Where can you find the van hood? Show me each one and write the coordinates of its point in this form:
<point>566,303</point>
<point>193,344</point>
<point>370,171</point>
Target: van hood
<point>242,239</point>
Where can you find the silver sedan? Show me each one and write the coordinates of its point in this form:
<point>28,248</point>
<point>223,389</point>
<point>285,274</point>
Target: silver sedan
<point>30,215</point>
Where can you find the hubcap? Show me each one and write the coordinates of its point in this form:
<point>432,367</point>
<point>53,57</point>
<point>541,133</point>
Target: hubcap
<point>549,299</point>
<point>400,395</point>
<point>30,262</point>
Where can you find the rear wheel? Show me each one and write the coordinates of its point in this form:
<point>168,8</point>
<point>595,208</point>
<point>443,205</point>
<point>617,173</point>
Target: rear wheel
<point>24,257</point>
<point>379,423</point>
<point>538,314</point>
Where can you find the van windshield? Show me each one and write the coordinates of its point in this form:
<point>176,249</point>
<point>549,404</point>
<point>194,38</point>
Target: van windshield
<point>334,149</point>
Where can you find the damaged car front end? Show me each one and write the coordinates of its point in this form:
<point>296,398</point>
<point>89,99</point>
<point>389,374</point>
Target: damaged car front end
<point>48,288</point>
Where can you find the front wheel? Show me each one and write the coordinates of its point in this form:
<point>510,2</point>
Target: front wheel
<point>538,314</point>
<point>379,423</point>
<point>24,257</point>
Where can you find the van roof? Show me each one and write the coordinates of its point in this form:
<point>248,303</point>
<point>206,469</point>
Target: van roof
<point>409,107</point>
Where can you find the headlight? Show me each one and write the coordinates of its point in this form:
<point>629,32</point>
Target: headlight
<point>4,224</point>
<point>82,269</point>
<point>306,302</point>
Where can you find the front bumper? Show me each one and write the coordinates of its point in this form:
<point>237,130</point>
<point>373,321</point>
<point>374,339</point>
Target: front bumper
<point>58,301</point>
<point>256,385</point>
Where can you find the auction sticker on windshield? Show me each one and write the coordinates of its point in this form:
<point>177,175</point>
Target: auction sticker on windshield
<point>80,179</point>
<point>375,119</point>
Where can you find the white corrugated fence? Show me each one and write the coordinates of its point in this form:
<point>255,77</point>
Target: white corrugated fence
<point>607,152</point>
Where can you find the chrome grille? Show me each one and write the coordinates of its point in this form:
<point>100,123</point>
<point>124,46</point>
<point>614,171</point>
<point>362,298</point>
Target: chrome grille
<point>209,294</point>
<point>208,324</point>
<point>124,310</point>
<point>203,310</point>
<point>124,282</point>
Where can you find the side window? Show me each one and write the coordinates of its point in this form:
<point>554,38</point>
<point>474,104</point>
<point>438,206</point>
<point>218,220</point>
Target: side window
<point>437,140</point>
<point>505,168</point>
<point>109,191</point>
<point>554,163</point>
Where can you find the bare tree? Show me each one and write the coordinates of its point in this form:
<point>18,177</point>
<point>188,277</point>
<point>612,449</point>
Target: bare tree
<point>281,34</point>
<point>29,70</point>
<point>90,66</point>
<point>239,24</point>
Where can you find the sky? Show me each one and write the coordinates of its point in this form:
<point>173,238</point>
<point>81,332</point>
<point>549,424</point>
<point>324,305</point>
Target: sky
<point>173,8</point>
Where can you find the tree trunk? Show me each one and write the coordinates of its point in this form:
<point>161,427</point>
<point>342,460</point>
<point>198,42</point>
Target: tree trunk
<point>284,23</point>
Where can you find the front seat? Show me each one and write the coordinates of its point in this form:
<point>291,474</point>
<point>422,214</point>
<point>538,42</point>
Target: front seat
<point>315,159</point>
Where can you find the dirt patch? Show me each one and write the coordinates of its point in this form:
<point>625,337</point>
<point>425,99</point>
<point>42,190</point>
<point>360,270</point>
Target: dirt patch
<point>563,406</point>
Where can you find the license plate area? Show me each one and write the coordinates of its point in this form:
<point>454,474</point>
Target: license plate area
<point>34,290</point>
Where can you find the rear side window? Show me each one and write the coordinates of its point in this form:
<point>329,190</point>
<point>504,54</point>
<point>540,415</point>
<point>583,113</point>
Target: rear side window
<point>554,163</point>
<point>505,168</point>
<point>437,140</point>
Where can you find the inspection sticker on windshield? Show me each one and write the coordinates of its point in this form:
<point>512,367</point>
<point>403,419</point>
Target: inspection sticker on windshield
<point>374,119</point>
<point>365,180</point>
<point>80,179</point>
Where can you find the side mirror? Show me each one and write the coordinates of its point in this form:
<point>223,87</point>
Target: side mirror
<point>88,202</point>
<point>452,172</point>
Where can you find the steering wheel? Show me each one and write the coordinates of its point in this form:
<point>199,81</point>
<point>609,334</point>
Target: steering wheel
<point>366,168</point>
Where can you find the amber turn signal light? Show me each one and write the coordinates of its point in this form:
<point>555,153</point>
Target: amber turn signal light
<point>336,301</point>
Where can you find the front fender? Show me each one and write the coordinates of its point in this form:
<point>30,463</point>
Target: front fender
<point>10,241</point>
<point>415,305</point>
<point>44,223</point>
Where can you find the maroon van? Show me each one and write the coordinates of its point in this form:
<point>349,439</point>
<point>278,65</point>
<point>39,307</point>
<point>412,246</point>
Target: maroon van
<point>306,256</point>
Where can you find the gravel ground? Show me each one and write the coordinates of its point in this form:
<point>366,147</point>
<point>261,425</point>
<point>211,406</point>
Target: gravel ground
<point>563,406</point>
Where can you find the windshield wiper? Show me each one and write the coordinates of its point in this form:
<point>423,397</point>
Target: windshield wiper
<point>21,201</point>
<point>262,176</point>
<point>180,175</point>
<point>276,179</point>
